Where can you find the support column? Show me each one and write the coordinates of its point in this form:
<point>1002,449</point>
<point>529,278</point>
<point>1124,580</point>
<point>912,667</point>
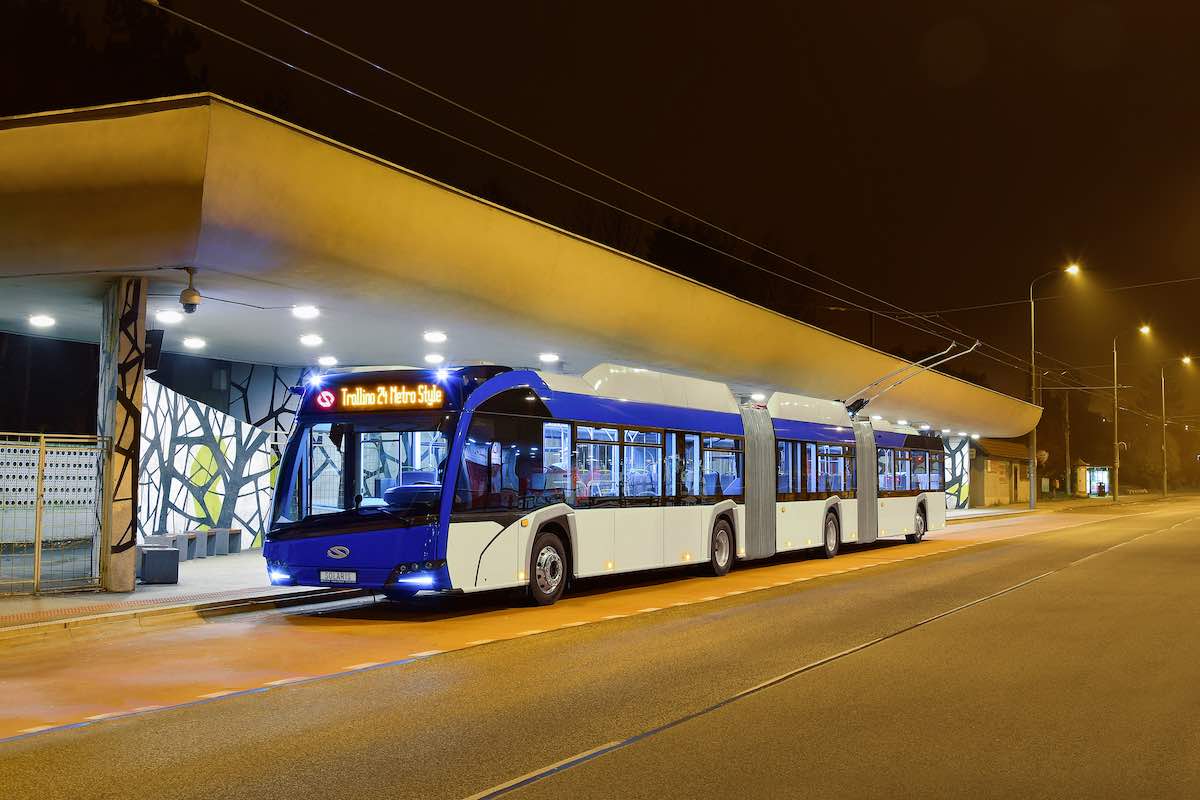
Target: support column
<point>119,416</point>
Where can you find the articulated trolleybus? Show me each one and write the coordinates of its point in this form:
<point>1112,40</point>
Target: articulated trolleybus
<point>479,478</point>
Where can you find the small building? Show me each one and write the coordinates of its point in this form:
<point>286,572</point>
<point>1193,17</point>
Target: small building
<point>999,472</point>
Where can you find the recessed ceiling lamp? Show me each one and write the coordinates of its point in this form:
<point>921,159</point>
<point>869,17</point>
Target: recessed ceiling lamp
<point>758,397</point>
<point>311,340</point>
<point>974,435</point>
<point>876,416</point>
<point>962,433</point>
<point>306,312</point>
<point>194,343</point>
<point>923,426</point>
<point>168,316</point>
<point>435,337</point>
<point>434,358</point>
<point>42,321</point>
<point>327,361</point>
<point>901,422</point>
<point>945,430</point>
<point>548,358</point>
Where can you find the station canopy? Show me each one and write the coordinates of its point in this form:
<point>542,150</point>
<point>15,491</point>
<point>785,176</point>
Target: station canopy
<point>274,216</point>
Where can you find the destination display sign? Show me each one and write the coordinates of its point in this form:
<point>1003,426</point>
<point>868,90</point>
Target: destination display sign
<point>380,397</point>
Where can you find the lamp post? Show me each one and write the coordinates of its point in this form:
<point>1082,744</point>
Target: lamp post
<point>1144,330</point>
<point>1071,269</point>
<point>1162,382</point>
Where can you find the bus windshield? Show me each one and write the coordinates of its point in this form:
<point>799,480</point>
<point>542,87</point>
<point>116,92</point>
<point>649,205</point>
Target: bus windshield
<point>366,467</point>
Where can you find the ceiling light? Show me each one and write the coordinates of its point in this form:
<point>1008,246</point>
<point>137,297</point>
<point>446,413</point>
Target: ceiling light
<point>974,435</point>
<point>901,422</point>
<point>434,358</point>
<point>327,361</point>
<point>311,340</point>
<point>876,416</point>
<point>306,312</point>
<point>42,321</point>
<point>435,337</point>
<point>924,426</point>
<point>962,433</point>
<point>945,430</point>
<point>548,358</point>
<point>168,316</point>
<point>194,343</point>
<point>758,397</point>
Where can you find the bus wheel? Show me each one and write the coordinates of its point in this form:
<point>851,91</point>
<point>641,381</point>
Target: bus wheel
<point>720,550</point>
<point>918,528</point>
<point>831,539</point>
<point>547,569</point>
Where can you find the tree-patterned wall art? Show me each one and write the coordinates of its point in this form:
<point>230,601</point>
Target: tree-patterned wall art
<point>202,468</point>
<point>958,472</point>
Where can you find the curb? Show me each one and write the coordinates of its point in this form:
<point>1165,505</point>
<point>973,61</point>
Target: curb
<point>41,631</point>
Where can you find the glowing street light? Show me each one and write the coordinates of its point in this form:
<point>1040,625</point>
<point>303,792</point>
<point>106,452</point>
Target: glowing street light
<point>1144,330</point>
<point>1073,270</point>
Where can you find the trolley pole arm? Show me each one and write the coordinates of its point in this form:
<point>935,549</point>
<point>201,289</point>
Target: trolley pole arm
<point>900,371</point>
<point>861,403</point>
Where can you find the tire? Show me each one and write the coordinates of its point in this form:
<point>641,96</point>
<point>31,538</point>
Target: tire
<point>720,549</point>
<point>831,536</point>
<point>918,528</point>
<point>547,569</point>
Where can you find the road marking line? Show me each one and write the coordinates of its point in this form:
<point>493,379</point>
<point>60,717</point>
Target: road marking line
<point>141,709</point>
<point>648,610</point>
<point>615,616</point>
<point>283,681</point>
<point>539,773</point>
<point>710,597</point>
<point>479,642</point>
<point>109,715</point>
<point>363,665</point>
<point>425,653</point>
<point>532,632</point>
<point>682,603</point>
<point>215,695</point>
<point>38,729</point>
<point>735,591</point>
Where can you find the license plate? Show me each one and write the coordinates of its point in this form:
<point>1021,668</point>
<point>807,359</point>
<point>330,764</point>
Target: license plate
<point>331,576</point>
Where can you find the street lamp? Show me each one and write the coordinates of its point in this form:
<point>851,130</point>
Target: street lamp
<point>1162,382</point>
<point>1144,330</point>
<point>1071,269</point>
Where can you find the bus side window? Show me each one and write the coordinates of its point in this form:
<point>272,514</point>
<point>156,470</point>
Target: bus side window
<point>553,484</point>
<point>887,481</point>
<point>935,471</point>
<point>784,462</point>
<point>691,465</point>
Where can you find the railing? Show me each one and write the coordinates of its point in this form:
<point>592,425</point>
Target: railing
<point>54,511</point>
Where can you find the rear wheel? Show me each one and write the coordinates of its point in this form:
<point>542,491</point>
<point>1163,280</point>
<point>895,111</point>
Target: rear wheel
<point>547,569</point>
<point>918,528</point>
<point>831,537</point>
<point>720,551</point>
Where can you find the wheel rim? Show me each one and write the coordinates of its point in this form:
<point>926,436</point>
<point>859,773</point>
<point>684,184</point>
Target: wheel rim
<point>830,535</point>
<point>721,548</point>
<point>548,570</point>
<point>919,526</point>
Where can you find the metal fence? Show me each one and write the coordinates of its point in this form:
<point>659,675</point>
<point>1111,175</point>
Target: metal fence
<point>54,511</point>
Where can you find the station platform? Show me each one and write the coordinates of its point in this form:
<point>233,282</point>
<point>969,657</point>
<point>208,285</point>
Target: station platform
<point>208,582</point>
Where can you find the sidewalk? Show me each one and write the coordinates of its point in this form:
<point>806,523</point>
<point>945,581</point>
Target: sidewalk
<point>1045,505</point>
<point>207,582</point>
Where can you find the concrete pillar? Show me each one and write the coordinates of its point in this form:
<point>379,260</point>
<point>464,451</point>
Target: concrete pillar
<point>119,416</point>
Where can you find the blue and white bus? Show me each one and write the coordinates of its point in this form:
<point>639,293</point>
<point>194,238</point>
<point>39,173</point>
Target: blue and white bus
<point>481,478</point>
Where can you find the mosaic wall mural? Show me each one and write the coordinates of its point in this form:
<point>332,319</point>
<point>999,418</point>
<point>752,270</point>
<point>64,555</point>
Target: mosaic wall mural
<point>202,468</point>
<point>958,472</point>
<point>261,395</point>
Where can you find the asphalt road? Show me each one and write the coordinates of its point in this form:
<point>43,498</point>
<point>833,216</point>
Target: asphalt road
<point>1068,666</point>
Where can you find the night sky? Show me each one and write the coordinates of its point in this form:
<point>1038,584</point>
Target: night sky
<point>938,155</point>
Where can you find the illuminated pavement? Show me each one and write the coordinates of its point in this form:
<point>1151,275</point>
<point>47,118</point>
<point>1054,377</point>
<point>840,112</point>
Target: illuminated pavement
<point>1034,690</point>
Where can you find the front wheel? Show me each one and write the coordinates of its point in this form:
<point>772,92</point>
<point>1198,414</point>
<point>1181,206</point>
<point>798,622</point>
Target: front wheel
<point>831,540</point>
<point>918,529</point>
<point>720,551</point>
<point>547,569</point>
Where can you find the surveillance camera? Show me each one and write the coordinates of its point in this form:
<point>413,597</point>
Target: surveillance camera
<point>190,299</point>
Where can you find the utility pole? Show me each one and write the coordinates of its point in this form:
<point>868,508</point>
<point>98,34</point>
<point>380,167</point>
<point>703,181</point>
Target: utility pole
<point>1116,467</point>
<point>1162,377</point>
<point>1070,476</point>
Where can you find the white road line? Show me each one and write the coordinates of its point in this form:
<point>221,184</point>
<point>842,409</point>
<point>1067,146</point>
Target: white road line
<point>140,709</point>
<point>615,616</point>
<point>479,642</point>
<point>501,787</point>
<point>425,653</point>
<point>710,597</point>
<point>37,729</point>
<point>532,632</point>
<point>215,695</point>
<point>283,681</point>
<point>648,610</point>
<point>109,715</point>
<point>363,665</point>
